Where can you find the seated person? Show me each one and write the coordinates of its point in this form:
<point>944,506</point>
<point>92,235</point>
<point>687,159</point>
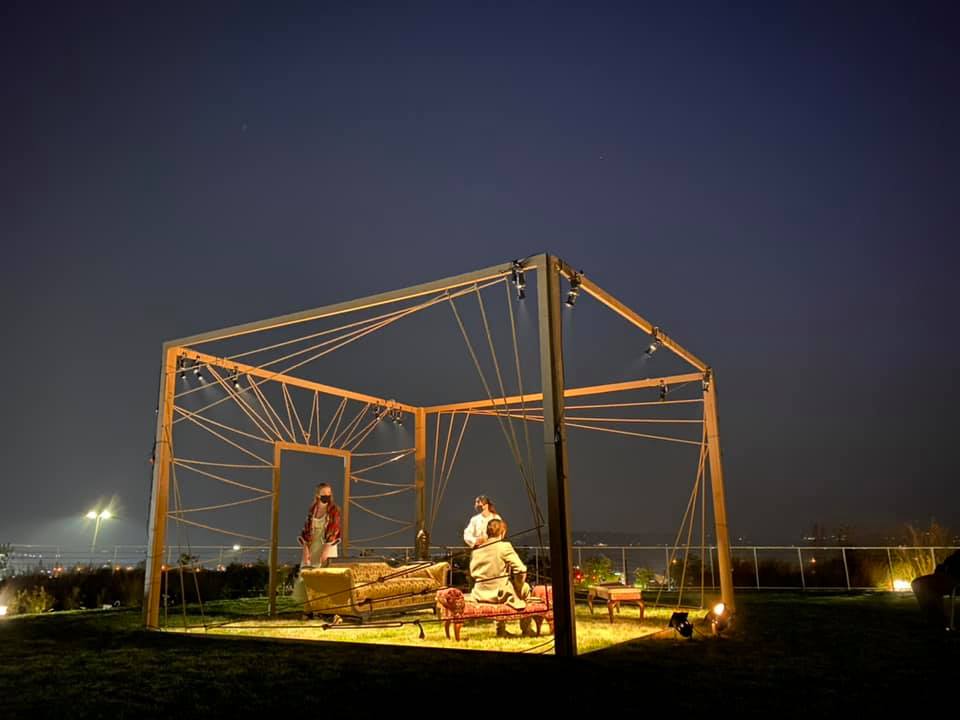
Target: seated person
<point>930,589</point>
<point>500,575</point>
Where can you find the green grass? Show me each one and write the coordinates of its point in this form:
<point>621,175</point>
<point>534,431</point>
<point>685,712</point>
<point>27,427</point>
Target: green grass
<point>789,654</point>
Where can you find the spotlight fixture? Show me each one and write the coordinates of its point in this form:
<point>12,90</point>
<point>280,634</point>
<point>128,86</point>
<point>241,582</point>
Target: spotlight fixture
<point>398,416</point>
<point>236,379</point>
<point>654,343</point>
<point>680,622</point>
<point>516,277</point>
<point>574,290</point>
<point>719,618</point>
<point>183,368</point>
<point>706,381</point>
<point>663,391</point>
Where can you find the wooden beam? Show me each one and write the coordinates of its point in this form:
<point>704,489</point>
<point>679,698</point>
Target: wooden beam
<point>231,365</point>
<point>597,292</point>
<point>364,303</point>
<point>711,419</point>
<point>420,470</point>
<point>570,392</point>
<point>160,492</point>
<point>555,457</point>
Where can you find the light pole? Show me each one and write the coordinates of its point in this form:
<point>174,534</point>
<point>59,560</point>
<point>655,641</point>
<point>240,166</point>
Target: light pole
<point>98,516</point>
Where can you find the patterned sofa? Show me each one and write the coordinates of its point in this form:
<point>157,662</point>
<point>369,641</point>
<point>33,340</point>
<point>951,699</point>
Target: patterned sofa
<point>363,589</point>
<point>455,608</point>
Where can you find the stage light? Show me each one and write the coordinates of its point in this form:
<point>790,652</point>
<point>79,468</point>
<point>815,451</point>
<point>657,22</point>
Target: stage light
<point>516,277</point>
<point>574,290</point>
<point>719,618</point>
<point>106,515</point>
<point>3,610</point>
<point>680,622</point>
<point>92,515</point>
<point>183,368</point>
<point>236,548</point>
<point>654,342</point>
<point>663,390</point>
<point>236,379</point>
<point>706,381</point>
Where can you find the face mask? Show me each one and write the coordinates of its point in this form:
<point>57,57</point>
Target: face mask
<point>325,499</point>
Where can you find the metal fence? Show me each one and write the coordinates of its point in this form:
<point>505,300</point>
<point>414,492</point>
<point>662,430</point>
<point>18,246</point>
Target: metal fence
<point>755,567</point>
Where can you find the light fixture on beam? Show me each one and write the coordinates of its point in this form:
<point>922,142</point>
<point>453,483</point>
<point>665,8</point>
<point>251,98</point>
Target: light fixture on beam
<point>516,277</point>
<point>663,391</point>
<point>183,368</point>
<point>236,379</point>
<point>654,342</point>
<point>574,290</point>
<point>706,381</point>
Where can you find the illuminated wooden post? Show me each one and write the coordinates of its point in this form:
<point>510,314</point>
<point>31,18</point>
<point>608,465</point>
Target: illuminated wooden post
<point>345,505</point>
<point>710,417</point>
<point>160,492</point>
<point>420,477</point>
<point>555,454</point>
<point>274,532</point>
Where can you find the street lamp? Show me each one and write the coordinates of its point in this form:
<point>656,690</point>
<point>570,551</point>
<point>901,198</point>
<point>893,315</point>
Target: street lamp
<point>98,516</point>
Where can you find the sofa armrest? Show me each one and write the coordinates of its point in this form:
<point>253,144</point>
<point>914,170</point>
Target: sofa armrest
<point>439,572</point>
<point>329,590</point>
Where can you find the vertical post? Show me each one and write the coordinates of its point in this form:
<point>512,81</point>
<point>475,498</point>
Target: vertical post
<point>160,491</point>
<point>846,569</point>
<point>710,417</point>
<point>555,453</point>
<point>713,577</point>
<point>756,566</point>
<point>274,533</point>
<point>114,558</point>
<point>890,565</point>
<point>345,508</point>
<point>803,580</point>
<point>933,556</point>
<point>623,563</point>
<point>420,477</point>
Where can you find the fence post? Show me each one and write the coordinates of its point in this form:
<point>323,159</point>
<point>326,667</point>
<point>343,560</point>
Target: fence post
<point>846,570</point>
<point>803,580</point>
<point>756,566</point>
<point>890,565</point>
<point>623,562</point>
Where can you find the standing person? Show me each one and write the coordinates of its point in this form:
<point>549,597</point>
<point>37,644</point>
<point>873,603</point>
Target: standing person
<point>321,532</point>
<point>476,531</point>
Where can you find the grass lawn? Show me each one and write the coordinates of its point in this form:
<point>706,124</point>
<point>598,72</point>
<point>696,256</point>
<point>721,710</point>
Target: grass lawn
<point>789,654</point>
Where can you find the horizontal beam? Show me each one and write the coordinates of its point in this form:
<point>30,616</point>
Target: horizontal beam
<point>597,292</point>
<point>231,365</point>
<point>315,449</point>
<point>365,303</point>
<point>569,392</point>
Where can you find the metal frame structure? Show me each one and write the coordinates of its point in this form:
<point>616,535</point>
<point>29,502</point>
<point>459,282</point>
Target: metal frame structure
<point>550,269</point>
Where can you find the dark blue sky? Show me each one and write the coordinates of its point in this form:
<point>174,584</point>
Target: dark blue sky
<point>775,186</point>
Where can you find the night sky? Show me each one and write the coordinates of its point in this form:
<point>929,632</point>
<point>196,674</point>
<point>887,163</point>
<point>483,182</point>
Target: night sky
<point>774,186</point>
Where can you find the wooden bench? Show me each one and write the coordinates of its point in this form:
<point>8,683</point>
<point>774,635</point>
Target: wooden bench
<point>455,608</point>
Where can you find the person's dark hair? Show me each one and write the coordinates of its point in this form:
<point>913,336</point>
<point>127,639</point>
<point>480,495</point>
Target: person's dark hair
<point>486,500</point>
